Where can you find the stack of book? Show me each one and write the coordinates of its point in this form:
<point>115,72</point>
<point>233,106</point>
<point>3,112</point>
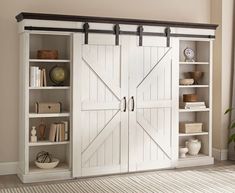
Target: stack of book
<point>37,77</point>
<point>193,105</point>
<point>59,132</point>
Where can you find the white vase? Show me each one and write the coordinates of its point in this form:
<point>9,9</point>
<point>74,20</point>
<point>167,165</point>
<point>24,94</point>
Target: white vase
<point>33,134</point>
<point>183,151</point>
<point>193,146</point>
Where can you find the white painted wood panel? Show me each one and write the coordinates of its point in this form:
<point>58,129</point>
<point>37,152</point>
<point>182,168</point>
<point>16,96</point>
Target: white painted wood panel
<point>151,123</point>
<point>23,104</point>
<point>102,90</point>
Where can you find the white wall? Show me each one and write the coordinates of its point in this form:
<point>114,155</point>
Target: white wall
<point>175,10</point>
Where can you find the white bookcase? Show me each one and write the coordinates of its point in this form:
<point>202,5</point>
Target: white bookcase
<point>203,62</point>
<point>30,43</point>
<point>121,96</point>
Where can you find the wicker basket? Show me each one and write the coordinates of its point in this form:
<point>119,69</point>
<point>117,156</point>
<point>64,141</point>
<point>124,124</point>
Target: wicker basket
<point>190,98</point>
<point>47,54</point>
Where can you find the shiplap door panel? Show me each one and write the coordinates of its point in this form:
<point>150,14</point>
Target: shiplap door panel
<point>153,119</point>
<point>102,129</point>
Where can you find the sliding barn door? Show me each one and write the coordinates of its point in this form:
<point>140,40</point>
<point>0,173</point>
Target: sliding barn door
<point>100,119</point>
<point>152,104</point>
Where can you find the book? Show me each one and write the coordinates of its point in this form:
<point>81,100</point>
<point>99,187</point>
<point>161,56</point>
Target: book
<point>62,132</point>
<point>192,105</point>
<point>66,130</point>
<point>38,74</point>
<point>57,132</point>
<point>32,76</point>
<point>44,77</point>
<point>41,77</point>
<point>52,133</point>
<point>196,107</point>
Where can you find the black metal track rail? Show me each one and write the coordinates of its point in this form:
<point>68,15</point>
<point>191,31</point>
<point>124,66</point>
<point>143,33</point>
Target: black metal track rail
<point>33,28</point>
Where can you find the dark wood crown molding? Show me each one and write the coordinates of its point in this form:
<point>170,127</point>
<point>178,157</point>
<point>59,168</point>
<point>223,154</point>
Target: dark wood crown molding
<point>58,17</point>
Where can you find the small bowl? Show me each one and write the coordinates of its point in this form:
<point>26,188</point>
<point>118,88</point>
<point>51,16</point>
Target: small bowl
<point>50,165</point>
<point>186,81</point>
<point>196,75</point>
<point>189,98</point>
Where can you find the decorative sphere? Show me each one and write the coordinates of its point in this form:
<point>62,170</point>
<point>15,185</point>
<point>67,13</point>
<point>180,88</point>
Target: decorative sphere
<point>43,157</point>
<point>57,75</point>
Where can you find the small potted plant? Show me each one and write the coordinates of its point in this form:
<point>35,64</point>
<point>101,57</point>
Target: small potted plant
<point>231,126</point>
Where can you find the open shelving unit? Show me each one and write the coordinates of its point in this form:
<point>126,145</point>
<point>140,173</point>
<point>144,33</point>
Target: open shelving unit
<point>50,93</point>
<point>203,62</point>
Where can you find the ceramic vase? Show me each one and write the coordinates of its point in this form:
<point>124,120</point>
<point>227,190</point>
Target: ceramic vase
<point>194,146</point>
<point>42,130</point>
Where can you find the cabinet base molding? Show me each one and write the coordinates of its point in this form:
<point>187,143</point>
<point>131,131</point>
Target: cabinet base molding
<point>96,171</point>
<point>7,168</point>
<point>44,176</point>
<point>154,165</point>
<point>199,161</point>
<point>220,154</point>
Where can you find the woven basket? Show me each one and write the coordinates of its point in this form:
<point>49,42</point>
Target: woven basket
<point>47,54</point>
<point>190,98</point>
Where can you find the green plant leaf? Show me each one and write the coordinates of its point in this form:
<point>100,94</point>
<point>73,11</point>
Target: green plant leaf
<point>228,110</point>
<point>231,138</point>
<point>232,125</point>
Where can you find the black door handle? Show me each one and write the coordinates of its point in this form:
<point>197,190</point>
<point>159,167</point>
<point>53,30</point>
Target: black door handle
<point>133,103</point>
<point>124,104</point>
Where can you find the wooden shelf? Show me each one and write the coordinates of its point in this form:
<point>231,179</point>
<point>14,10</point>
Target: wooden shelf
<point>49,61</point>
<point>45,143</point>
<point>192,134</point>
<point>36,115</point>
<point>194,86</point>
<point>197,63</point>
<point>199,156</point>
<point>50,88</point>
<point>193,110</point>
<point>60,168</point>
<point>190,161</point>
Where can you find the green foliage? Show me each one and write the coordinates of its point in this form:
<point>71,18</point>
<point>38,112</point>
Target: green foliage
<point>228,111</point>
<point>231,138</point>
<point>232,126</point>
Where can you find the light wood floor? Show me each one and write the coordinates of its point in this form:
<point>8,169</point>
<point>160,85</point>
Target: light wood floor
<point>13,181</point>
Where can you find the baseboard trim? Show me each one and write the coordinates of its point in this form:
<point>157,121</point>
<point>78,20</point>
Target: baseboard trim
<point>220,154</point>
<point>7,168</point>
<point>45,177</point>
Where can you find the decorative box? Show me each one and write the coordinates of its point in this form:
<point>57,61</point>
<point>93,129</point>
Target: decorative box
<point>47,54</point>
<point>190,97</point>
<point>41,107</point>
<point>190,127</point>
